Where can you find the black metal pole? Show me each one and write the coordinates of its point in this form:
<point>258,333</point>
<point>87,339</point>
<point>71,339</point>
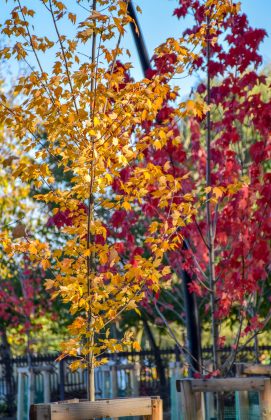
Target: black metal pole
<point>191,308</point>
<point>192,325</point>
<point>139,40</point>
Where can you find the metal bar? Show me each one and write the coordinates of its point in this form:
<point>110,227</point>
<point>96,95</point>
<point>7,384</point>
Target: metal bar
<point>139,40</point>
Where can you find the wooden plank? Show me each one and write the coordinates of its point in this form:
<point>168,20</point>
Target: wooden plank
<point>253,369</point>
<point>227,384</point>
<point>40,412</point>
<point>265,400</point>
<point>190,402</point>
<point>157,409</point>
<point>102,408</point>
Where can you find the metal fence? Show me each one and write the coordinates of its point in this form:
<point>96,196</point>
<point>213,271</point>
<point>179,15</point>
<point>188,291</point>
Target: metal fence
<point>153,372</point>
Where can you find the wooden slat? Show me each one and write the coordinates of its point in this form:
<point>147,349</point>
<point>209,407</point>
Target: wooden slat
<point>227,384</point>
<point>190,402</point>
<point>265,401</point>
<point>102,408</point>
<point>157,409</point>
<point>253,369</point>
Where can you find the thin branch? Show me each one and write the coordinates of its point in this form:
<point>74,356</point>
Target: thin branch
<point>63,55</point>
<point>201,234</point>
<point>36,56</point>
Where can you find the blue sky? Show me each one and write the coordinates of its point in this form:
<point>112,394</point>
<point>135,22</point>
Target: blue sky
<point>157,24</point>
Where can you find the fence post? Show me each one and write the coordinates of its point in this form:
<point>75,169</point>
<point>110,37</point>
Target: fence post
<point>20,401</point>
<point>134,380</point>
<point>191,402</point>
<point>265,400</point>
<point>61,380</point>
<point>114,381</point>
<point>46,387</point>
<point>157,409</point>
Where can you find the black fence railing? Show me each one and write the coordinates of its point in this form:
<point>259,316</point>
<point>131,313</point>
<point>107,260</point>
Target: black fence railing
<point>153,371</point>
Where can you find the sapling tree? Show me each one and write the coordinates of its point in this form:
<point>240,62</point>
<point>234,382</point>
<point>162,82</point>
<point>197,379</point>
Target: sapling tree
<point>99,128</point>
<point>238,148</point>
<point>92,117</point>
<point>232,168</point>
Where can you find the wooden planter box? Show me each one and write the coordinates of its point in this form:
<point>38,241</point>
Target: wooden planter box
<point>192,393</point>
<point>149,407</point>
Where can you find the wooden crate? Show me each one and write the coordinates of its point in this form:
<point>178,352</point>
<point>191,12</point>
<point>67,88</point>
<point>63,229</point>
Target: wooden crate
<point>149,407</point>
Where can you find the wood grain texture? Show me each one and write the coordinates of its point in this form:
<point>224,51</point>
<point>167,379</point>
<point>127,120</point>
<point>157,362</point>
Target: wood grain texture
<point>157,409</point>
<point>265,400</point>
<point>253,369</point>
<point>86,410</point>
<point>190,402</point>
<point>225,384</point>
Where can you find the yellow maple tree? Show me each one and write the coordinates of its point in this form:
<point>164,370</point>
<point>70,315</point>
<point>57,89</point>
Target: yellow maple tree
<point>81,113</point>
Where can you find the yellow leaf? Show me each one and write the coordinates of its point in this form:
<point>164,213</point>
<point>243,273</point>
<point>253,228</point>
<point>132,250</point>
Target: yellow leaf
<point>49,284</point>
<point>96,121</point>
<point>166,166</point>
<point>32,249</point>
<point>153,227</point>
<point>87,253</point>
<point>218,192</point>
<point>126,206</point>
<point>113,256</point>
<point>45,264</point>
<point>166,270</point>
<point>103,257</point>
<point>164,246</point>
<point>75,365</point>
<point>190,105</point>
<point>97,15</point>
<point>157,144</point>
<point>162,135</point>
<point>72,17</point>
<point>136,346</point>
